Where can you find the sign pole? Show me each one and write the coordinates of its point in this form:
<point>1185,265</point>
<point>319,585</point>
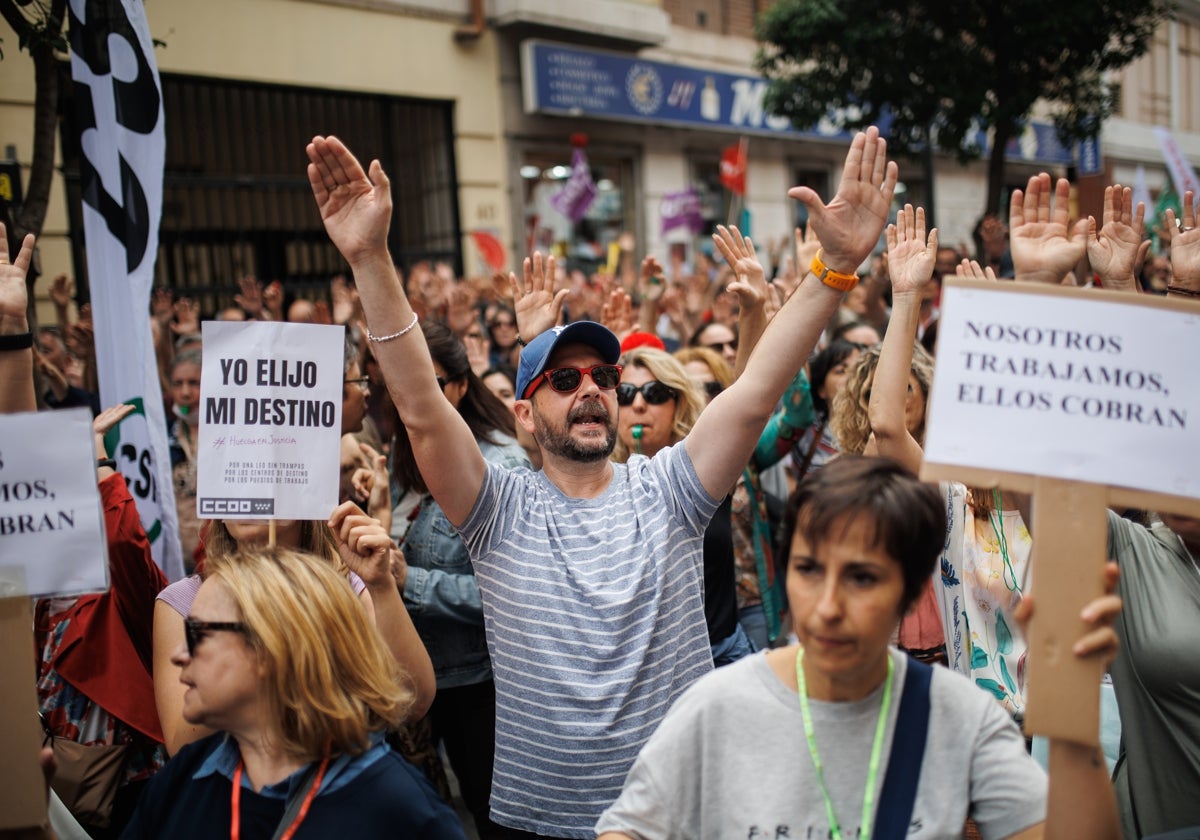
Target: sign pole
<point>1068,556</point>
<point>270,533</point>
<point>22,785</point>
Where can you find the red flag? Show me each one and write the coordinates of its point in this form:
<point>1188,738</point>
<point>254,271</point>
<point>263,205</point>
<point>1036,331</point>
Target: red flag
<point>733,167</point>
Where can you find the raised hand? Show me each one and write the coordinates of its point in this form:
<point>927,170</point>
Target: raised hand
<point>356,208</point>
<point>617,312</point>
<point>751,285</point>
<point>272,297</point>
<point>651,282</point>
<point>61,291</point>
<point>187,317</point>
<point>1185,246</point>
<point>14,297</point>
<point>1044,247</point>
<point>371,484</point>
<point>807,245</point>
<point>345,300</point>
<point>250,298</point>
<point>161,305</point>
<point>849,226</point>
<point>910,255</point>
<point>363,543</point>
<point>57,379</point>
<point>972,270</point>
<point>537,305</point>
<point>1119,246</point>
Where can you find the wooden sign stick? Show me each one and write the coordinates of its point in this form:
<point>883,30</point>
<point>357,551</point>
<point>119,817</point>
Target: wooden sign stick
<point>22,786</point>
<point>1070,536</point>
<point>270,533</point>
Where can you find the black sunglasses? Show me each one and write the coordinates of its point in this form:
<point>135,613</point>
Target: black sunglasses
<point>653,392</point>
<point>568,379</point>
<point>194,632</point>
<point>720,346</point>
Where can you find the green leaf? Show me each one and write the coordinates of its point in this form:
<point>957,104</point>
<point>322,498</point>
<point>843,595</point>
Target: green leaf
<point>992,686</point>
<point>1003,634</point>
<point>979,657</point>
<point>1008,680</point>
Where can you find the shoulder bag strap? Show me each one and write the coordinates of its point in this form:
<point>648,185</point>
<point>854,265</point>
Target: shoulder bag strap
<point>899,792</point>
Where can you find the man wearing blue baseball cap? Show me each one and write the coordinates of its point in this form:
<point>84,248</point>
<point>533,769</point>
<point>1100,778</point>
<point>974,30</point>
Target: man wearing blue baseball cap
<point>590,572</point>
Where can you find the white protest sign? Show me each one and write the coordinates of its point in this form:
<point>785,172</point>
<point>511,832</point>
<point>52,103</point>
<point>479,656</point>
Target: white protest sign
<point>51,521</point>
<point>1094,387</point>
<point>270,420</point>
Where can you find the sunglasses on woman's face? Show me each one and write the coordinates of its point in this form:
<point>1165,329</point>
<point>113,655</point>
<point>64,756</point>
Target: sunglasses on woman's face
<point>566,380</point>
<point>194,632</point>
<point>653,392</point>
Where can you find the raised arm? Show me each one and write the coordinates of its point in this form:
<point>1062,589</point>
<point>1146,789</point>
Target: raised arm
<point>752,290</point>
<point>357,210</point>
<point>16,345</point>
<point>849,226</point>
<point>910,265</point>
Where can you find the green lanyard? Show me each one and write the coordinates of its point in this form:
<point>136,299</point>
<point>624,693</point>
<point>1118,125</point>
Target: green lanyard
<point>872,769</point>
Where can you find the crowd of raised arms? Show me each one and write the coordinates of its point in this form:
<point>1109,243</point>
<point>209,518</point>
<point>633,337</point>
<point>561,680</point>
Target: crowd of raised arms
<point>641,555</point>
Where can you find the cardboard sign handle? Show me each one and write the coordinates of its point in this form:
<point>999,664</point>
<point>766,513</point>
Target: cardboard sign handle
<point>1069,551</point>
<point>271,533</point>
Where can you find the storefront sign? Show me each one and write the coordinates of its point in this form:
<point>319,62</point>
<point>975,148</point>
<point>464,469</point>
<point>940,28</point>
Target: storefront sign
<point>577,82</point>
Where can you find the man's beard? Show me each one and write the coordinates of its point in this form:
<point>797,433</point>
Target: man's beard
<point>558,441</point>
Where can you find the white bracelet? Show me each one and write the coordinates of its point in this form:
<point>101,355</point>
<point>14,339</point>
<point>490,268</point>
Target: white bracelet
<point>379,339</point>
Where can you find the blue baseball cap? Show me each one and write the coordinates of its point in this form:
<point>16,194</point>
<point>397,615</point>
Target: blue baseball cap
<point>537,352</point>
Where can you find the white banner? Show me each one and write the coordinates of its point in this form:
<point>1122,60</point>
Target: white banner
<point>270,420</point>
<point>51,522</point>
<point>1084,386</point>
<point>1182,174</point>
<point>119,110</point>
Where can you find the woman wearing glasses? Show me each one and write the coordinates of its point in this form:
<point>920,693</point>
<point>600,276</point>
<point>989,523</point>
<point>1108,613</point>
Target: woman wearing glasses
<point>280,661</point>
<point>352,543</point>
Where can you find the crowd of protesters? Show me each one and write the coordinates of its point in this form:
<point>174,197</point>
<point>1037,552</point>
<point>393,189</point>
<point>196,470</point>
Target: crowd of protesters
<point>640,555</point>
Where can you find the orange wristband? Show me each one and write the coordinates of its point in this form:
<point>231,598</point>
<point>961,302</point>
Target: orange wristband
<point>832,279</point>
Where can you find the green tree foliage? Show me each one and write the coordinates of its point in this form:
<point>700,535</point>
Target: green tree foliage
<point>944,70</point>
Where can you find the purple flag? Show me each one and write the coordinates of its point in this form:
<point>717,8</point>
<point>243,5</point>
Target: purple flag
<point>574,199</point>
<point>682,209</point>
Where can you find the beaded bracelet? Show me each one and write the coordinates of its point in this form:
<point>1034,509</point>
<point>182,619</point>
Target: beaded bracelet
<point>379,339</point>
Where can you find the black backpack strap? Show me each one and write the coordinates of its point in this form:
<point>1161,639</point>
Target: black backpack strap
<point>899,793</point>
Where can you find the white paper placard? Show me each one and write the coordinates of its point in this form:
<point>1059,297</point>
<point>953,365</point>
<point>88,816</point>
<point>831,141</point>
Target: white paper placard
<point>51,521</point>
<point>1072,384</point>
<point>270,420</point>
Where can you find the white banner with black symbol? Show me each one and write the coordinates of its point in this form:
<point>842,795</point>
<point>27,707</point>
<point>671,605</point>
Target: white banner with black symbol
<point>122,143</point>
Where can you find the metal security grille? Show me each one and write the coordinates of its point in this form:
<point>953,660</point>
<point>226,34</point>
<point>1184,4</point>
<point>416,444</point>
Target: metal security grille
<point>236,200</point>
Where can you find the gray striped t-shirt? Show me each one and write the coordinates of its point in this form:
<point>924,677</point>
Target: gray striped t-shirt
<point>595,623</point>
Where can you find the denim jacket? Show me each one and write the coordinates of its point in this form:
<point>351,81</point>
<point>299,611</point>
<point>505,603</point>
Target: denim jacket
<point>440,590</point>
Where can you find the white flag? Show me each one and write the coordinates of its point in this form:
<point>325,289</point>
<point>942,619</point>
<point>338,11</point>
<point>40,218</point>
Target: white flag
<point>1141,192</point>
<point>1182,174</point>
<point>123,145</point>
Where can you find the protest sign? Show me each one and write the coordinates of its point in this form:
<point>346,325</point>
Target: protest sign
<point>270,420</point>
<point>1083,398</point>
<point>51,520</point>
<point>1079,385</point>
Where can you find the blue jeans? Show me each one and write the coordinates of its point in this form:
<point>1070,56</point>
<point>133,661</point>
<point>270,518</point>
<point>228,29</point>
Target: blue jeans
<point>732,648</point>
<point>754,622</point>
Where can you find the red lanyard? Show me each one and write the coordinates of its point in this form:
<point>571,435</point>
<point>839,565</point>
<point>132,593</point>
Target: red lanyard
<point>236,799</point>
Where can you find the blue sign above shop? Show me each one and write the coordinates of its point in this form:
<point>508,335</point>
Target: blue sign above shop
<point>571,81</point>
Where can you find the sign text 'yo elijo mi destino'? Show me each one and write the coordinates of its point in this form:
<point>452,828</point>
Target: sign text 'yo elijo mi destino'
<point>270,420</point>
